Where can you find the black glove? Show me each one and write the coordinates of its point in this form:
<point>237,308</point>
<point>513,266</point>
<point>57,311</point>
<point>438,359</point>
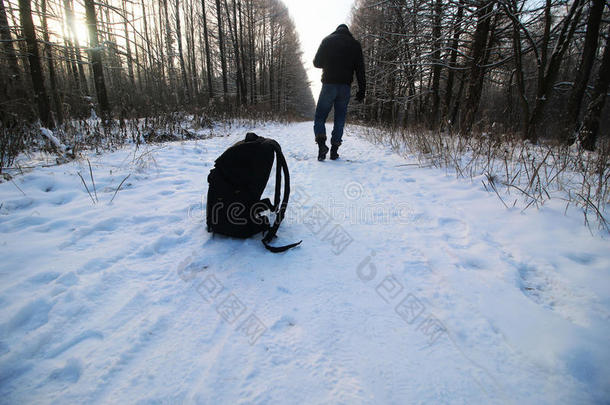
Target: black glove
<point>360,96</point>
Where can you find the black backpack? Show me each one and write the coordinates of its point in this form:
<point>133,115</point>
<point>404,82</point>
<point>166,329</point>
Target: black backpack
<point>236,184</point>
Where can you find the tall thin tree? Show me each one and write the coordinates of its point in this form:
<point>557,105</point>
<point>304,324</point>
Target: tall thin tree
<point>7,43</point>
<point>208,63</point>
<point>584,70</point>
<point>40,93</point>
<point>95,57</point>
<point>223,60</point>
<point>477,68</point>
<point>591,122</point>
<point>51,64</point>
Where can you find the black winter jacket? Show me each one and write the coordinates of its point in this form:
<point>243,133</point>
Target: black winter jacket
<point>340,55</point>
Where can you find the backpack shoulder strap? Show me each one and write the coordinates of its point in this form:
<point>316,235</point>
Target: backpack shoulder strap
<point>280,208</point>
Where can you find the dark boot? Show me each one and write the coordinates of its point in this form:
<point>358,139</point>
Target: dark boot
<point>333,152</point>
<point>322,151</point>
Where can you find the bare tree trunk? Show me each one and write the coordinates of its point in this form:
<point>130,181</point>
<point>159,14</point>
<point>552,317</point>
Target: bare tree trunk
<point>518,54</point>
<point>263,57</point>
<point>149,55</point>
<point>221,46</point>
<point>191,52</point>
<point>59,114</point>
<point>244,70</point>
<point>544,47</point>
<point>40,93</point>
<point>70,59</point>
<point>137,62</point>
<point>584,70</point>
<point>477,70</point>
<point>170,52</point>
<point>81,69</point>
<point>7,43</point>
<point>592,118</point>
<point>436,69</point>
<point>271,62</point>
<point>128,47</point>
<point>238,74</point>
<point>455,43</point>
<point>545,83</point>
<point>163,73</point>
<point>251,39</point>
<point>113,65</point>
<point>69,55</point>
<point>185,83</point>
<point>95,56</point>
<point>148,59</point>
<point>208,63</point>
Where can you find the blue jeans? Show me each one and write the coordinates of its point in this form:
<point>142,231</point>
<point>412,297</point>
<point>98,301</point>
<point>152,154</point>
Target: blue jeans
<point>336,95</point>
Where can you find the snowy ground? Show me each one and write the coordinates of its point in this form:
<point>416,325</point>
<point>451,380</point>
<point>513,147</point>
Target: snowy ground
<point>409,287</point>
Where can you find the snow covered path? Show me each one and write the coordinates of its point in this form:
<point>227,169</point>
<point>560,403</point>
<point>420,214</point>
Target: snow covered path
<point>409,287</point>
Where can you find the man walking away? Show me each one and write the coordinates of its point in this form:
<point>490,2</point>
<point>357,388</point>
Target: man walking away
<point>339,56</point>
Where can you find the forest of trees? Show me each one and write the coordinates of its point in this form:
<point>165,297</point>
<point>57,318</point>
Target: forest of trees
<point>59,59</point>
<point>540,69</point>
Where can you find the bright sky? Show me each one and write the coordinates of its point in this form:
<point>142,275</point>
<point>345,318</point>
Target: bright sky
<point>315,19</point>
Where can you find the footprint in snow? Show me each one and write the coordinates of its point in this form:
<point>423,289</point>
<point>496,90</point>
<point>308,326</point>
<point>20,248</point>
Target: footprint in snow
<point>581,258</point>
<point>63,198</point>
<point>283,323</point>
<point>65,346</point>
<point>45,184</point>
<point>30,317</point>
<point>108,225</point>
<point>68,279</point>
<point>18,204</point>
<point>284,290</point>
<point>455,232</point>
<point>43,278</point>
<point>543,285</point>
<point>70,373</point>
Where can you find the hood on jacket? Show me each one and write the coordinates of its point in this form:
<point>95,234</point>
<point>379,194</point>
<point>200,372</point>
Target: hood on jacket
<point>342,29</point>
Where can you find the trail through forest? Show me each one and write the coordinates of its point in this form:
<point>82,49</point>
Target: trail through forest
<point>410,286</point>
